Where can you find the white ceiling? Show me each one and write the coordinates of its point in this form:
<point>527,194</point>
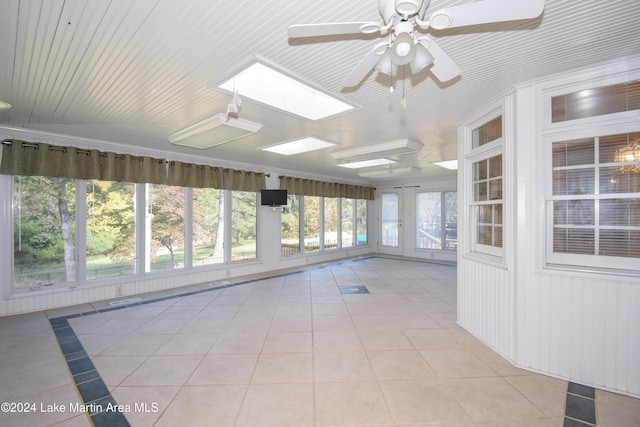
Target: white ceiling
<point>133,72</point>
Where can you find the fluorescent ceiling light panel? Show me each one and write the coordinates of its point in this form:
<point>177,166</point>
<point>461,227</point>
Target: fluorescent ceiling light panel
<point>401,146</point>
<point>368,163</point>
<point>390,172</point>
<point>448,164</point>
<point>227,129</point>
<point>273,88</point>
<point>300,146</point>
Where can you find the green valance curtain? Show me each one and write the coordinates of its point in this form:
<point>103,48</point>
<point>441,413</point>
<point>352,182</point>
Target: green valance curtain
<point>41,159</point>
<point>200,176</point>
<point>309,187</point>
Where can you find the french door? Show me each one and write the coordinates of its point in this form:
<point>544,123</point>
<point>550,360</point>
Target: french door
<point>391,232</point>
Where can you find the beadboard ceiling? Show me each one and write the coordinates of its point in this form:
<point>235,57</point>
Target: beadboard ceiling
<point>133,72</point>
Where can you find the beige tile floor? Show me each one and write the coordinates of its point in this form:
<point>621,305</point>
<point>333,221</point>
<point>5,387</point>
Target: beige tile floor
<point>293,351</point>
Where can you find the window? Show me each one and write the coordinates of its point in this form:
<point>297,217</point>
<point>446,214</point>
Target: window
<point>44,229</point>
<point>484,194</point>
<point>596,102</point>
<point>311,223</point>
<point>348,219</point>
<point>290,226</point>
<point>166,213</point>
<point>110,229</point>
<point>432,232</point>
<point>243,225</point>
<point>595,199</point>
<point>330,223</point>
<point>487,196</point>
<point>361,222</point>
<point>344,224</point>
<point>208,226</point>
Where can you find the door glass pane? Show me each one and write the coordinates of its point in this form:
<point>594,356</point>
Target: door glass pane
<point>390,220</point>
<point>208,226</point>
<point>428,221</point>
<point>330,223</point>
<point>44,228</point>
<point>166,209</point>
<point>111,229</point>
<point>243,225</point>
<point>290,226</point>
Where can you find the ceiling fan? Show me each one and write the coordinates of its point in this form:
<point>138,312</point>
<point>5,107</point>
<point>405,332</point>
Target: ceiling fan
<point>406,44</point>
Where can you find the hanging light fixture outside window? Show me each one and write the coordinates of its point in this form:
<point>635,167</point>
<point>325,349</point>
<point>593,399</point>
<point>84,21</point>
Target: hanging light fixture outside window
<point>630,155</point>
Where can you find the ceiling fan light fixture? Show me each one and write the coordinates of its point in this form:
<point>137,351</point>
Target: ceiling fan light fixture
<point>386,65</point>
<point>403,49</point>
<point>421,59</point>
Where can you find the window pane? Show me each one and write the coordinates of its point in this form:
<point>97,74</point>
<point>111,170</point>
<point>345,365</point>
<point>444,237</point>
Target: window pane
<point>596,102</point>
<point>622,243</point>
<point>208,226</point>
<point>290,227</point>
<point>311,223</point>
<point>330,223</point>
<point>495,166</point>
<point>488,132</point>
<point>428,217</point>
<point>44,251</point>
<point>480,170</point>
<point>485,235</point>
<point>574,241</point>
<point>620,212</point>
<point>389,220</point>
<point>243,225</point>
<point>574,212</point>
<point>573,182</point>
<point>166,208</point>
<point>348,206</point>
<point>361,220</point>
<point>111,229</point>
<point>451,220</point>
<point>574,153</point>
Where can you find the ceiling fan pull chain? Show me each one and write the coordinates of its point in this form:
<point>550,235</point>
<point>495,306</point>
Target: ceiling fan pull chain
<point>403,101</point>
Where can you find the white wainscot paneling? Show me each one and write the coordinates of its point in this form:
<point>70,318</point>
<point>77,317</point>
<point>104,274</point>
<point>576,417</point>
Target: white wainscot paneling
<point>486,304</point>
<point>584,330</point>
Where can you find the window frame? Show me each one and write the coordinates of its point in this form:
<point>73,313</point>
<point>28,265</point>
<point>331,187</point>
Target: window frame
<point>471,207</point>
<point>589,262</point>
<point>443,222</point>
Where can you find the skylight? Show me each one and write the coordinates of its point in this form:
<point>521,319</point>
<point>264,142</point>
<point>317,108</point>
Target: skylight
<point>448,164</point>
<point>268,86</point>
<point>368,163</point>
<point>300,146</point>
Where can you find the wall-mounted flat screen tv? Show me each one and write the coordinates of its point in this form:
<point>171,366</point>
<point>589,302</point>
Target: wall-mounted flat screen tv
<point>273,197</point>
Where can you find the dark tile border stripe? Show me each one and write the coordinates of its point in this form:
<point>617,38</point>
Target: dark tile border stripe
<point>96,397</point>
<point>580,410</point>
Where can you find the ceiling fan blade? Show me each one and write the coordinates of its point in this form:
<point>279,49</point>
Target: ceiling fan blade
<point>363,68</point>
<point>484,12</point>
<point>443,66</point>
<point>332,29</point>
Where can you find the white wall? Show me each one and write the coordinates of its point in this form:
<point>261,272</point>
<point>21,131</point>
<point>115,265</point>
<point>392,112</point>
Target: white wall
<point>581,325</point>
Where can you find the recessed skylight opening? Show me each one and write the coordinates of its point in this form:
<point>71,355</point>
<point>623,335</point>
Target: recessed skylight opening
<point>300,146</point>
<point>448,164</point>
<point>273,88</point>
<point>368,163</point>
